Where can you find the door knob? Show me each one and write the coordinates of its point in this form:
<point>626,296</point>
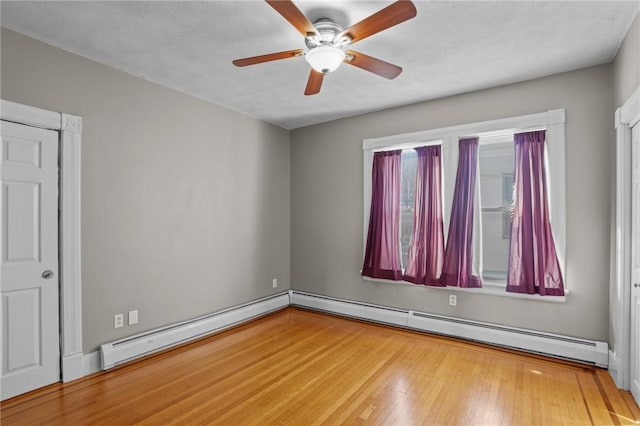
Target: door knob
<point>47,274</point>
<point>636,285</point>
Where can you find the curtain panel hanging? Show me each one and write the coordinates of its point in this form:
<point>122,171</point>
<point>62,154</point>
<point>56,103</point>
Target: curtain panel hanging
<point>382,251</point>
<point>533,261</point>
<point>426,250</point>
<point>458,258</point>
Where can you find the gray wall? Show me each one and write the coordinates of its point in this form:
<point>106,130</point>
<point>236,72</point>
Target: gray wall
<point>327,192</point>
<point>185,205</point>
<point>626,65</point>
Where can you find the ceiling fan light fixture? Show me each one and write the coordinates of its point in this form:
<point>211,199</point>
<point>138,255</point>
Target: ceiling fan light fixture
<point>325,59</point>
<point>327,43</point>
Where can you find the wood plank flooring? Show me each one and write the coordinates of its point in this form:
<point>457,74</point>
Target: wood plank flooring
<point>297,367</point>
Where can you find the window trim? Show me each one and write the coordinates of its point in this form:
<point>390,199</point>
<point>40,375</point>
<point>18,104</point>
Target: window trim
<point>552,120</point>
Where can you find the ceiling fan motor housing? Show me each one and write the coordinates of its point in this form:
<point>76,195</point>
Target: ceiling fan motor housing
<point>327,30</point>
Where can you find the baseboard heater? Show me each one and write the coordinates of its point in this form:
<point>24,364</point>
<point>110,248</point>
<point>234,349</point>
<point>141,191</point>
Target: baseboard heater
<point>574,349</point>
<point>570,348</point>
<point>130,348</point>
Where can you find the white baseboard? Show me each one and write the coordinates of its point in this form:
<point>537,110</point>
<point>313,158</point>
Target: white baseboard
<point>72,367</point>
<point>615,371</point>
<point>130,348</point>
<point>565,347</point>
<point>91,363</point>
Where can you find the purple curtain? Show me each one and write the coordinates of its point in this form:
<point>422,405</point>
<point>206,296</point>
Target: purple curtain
<point>382,253</point>
<point>533,262</point>
<point>426,251</point>
<point>458,257</point>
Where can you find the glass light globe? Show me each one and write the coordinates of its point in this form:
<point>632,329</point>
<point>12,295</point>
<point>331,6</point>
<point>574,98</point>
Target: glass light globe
<point>325,59</point>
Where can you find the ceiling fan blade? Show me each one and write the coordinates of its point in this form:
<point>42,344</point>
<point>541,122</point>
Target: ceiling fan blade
<point>314,83</point>
<point>268,57</point>
<point>291,13</point>
<point>371,64</point>
<point>391,15</point>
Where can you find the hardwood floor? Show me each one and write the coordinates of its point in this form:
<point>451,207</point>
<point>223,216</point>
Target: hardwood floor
<point>298,367</point>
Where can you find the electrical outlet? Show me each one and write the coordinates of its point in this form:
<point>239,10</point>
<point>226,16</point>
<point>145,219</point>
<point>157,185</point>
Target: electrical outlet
<point>275,282</point>
<point>133,317</point>
<point>118,320</point>
<point>453,300</point>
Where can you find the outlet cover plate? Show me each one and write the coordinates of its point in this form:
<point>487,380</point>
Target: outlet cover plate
<point>118,320</point>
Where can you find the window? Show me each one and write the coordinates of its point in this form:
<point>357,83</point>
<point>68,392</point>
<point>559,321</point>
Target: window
<point>495,166</point>
<point>494,185</point>
<point>408,162</point>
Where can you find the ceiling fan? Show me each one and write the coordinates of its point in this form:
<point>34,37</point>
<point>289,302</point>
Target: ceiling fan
<point>327,42</point>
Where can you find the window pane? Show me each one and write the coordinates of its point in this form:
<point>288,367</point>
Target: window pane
<point>496,194</point>
<point>407,200</point>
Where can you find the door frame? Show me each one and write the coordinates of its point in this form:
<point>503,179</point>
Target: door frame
<point>626,117</point>
<point>70,130</point>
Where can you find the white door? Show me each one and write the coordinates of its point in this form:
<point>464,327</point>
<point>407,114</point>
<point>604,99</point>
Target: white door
<point>635,264</point>
<point>29,252</point>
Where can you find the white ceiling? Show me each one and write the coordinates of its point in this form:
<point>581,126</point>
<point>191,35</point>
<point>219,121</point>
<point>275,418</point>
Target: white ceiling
<point>449,48</point>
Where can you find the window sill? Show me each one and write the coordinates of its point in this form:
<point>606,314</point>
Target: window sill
<point>488,289</point>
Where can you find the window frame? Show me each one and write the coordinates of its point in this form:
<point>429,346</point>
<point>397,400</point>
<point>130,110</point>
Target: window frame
<point>552,120</point>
